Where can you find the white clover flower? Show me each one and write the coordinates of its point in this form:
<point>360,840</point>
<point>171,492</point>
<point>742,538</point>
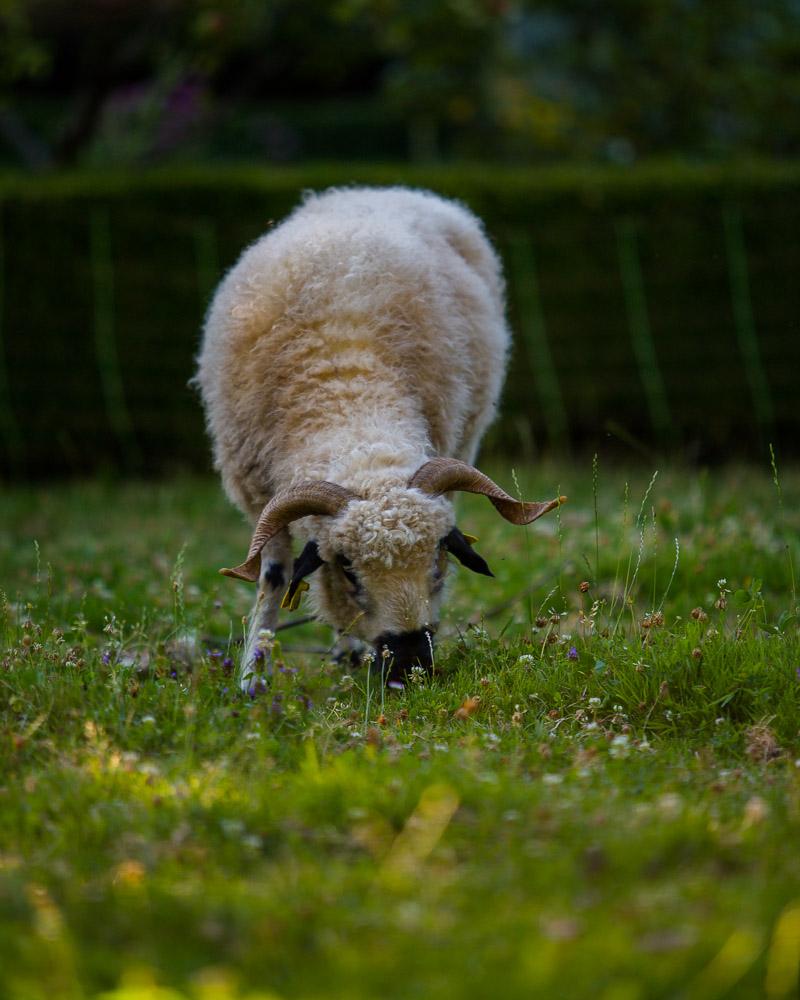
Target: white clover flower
<point>526,660</point>
<point>595,701</point>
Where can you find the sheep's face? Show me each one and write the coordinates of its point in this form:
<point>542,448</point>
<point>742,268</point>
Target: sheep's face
<point>383,571</point>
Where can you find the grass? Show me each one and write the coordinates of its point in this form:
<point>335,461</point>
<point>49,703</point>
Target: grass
<point>597,795</point>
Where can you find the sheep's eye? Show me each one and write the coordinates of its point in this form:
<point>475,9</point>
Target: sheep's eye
<point>349,575</point>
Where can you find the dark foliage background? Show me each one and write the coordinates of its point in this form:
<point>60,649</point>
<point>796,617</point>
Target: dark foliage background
<point>655,310</point>
<point>632,161</point>
<point>136,81</point>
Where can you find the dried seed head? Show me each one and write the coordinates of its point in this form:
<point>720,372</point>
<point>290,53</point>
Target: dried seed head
<point>583,586</point>
<point>697,653</point>
<point>699,615</point>
<point>541,622</point>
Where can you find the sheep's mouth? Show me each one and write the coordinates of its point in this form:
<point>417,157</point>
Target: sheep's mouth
<point>398,653</point>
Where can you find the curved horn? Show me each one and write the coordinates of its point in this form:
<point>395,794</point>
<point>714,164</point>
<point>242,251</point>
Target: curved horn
<point>282,509</point>
<point>441,475</point>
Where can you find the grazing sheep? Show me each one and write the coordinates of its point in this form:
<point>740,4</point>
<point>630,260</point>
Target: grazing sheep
<point>351,361</point>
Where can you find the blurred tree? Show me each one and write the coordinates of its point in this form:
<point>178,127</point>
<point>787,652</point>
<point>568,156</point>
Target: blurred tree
<point>134,80</point>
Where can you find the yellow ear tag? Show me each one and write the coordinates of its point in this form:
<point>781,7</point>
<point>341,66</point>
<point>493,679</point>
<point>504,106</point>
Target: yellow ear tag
<point>470,538</point>
<point>293,603</point>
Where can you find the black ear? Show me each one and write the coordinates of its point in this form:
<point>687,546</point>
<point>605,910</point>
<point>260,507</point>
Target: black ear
<point>457,544</point>
<point>304,565</point>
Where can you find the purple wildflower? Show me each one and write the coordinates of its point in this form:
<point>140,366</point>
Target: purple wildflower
<point>227,663</point>
<point>106,657</point>
<point>258,655</point>
<point>572,654</point>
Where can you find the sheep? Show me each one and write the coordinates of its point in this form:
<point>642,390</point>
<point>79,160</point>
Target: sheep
<point>350,363</point>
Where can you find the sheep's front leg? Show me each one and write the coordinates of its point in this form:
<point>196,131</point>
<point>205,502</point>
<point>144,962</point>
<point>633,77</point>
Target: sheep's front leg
<point>276,559</point>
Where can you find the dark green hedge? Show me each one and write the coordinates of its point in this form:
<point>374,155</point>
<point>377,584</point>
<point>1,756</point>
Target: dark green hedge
<point>656,308</point>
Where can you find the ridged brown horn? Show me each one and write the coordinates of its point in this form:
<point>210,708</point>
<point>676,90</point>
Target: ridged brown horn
<point>282,509</point>
<point>442,475</point>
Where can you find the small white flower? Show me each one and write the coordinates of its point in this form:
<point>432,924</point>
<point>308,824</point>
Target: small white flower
<point>722,583</point>
<point>526,660</point>
<point>552,779</point>
<point>595,701</point>
<point>719,722</point>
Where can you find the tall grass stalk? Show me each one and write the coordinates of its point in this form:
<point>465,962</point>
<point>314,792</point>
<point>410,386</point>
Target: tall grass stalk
<point>595,477</point>
<point>782,527</point>
<point>630,580</point>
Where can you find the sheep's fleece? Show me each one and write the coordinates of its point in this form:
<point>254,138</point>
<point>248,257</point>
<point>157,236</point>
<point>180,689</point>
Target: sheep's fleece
<point>352,343</point>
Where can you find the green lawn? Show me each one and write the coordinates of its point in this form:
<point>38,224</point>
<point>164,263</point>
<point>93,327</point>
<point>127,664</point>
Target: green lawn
<point>597,795</point>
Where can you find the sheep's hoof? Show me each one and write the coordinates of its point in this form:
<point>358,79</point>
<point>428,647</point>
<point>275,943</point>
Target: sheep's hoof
<point>348,652</point>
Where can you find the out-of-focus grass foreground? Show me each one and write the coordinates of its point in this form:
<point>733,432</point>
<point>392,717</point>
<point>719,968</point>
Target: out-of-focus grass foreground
<point>597,793</point>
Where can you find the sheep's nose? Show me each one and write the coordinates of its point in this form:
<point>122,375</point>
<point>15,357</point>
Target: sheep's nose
<point>398,652</point>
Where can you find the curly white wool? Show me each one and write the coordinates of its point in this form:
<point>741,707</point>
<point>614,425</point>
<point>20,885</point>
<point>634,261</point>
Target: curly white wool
<point>352,343</point>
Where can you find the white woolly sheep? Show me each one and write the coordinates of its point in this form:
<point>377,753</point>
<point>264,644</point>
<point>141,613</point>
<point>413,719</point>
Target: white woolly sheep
<point>351,361</point>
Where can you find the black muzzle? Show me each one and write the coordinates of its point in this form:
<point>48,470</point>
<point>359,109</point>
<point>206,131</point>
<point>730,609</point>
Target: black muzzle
<point>397,652</point>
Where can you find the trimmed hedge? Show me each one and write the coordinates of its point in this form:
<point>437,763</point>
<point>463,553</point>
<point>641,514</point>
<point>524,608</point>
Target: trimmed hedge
<point>656,307</point>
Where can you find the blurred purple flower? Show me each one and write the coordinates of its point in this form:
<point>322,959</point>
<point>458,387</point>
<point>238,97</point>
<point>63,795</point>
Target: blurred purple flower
<point>106,657</point>
<point>181,113</point>
<point>258,655</point>
<point>572,654</point>
<point>227,663</point>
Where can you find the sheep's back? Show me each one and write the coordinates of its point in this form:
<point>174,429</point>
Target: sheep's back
<point>402,280</point>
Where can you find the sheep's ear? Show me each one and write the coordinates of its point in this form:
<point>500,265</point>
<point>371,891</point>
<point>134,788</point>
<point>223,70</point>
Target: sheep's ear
<point>457,544</point>
<point>305,564</point>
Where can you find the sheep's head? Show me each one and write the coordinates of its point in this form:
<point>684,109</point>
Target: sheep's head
<point>380,562</point>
